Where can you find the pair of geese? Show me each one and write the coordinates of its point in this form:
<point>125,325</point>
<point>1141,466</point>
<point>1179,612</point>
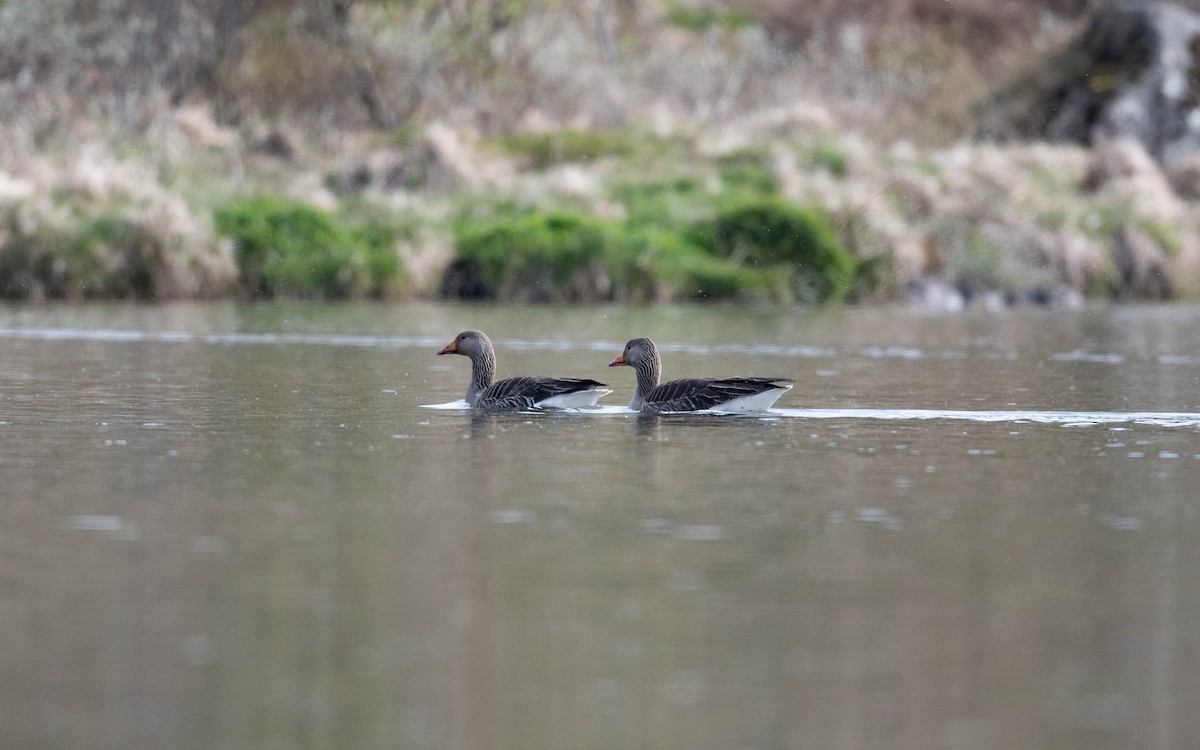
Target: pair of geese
<point>529,392</point>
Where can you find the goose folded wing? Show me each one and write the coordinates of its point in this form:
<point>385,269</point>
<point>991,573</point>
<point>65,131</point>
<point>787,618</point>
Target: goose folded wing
<point>527,392</point>
<point>698,394</point>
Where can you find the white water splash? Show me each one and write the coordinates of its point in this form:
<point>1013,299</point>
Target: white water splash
<point>459,405</point>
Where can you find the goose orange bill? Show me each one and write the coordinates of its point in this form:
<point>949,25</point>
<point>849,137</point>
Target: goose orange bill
<point>451,348</point>
<point>620,360</point>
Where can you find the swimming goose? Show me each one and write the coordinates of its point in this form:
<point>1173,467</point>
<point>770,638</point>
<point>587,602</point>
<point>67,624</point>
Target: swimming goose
<point>694,394</point>
<point>521,392</point>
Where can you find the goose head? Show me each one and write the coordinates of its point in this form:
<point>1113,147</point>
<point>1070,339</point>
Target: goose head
<point>470,344</point>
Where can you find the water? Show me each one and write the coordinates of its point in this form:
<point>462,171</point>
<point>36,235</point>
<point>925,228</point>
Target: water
<point>231,526</point>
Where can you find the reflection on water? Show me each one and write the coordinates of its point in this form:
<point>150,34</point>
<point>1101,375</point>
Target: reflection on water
<point>236,527</point>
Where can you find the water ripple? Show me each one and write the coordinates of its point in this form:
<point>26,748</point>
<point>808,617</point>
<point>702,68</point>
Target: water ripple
<point>1094,357</point>
<point>120,336</point>
<point>1065,418</point>
<point>423,342</point>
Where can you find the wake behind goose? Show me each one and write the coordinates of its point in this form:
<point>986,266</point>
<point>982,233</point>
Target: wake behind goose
<point>1067,418</point>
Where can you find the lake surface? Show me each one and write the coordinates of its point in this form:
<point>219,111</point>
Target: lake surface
<point>237,526</point>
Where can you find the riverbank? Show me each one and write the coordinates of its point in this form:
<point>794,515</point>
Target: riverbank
<point>779,207</point>
<point>782,196</point>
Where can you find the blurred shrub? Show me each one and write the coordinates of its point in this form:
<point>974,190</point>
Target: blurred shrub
<point>104,256</point>
<point>532,257</point>
<point>564,257</point>
<point>772,232</point>
<point>667,201</point>
<point>288,248</point>
<point>661,264</point>
<point>48,263</point>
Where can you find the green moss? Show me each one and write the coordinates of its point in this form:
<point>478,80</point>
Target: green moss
<point>288,248</point>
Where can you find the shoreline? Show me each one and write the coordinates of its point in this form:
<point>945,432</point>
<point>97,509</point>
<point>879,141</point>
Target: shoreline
<point>671,219</point>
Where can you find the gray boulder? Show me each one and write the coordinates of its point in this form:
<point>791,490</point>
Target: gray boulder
<point>1131,73</point>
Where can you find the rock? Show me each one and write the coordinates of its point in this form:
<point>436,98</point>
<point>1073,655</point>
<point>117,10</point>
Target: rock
<point>352,179</point>
<point>410,169</point>
<point>991,300</point>
<point>1127,75</point>
<point>277,144</point>
<point>1060,296</point>
<point>14,189</point>
<point>440,161</point>
<point>418,167</point>
<point>932,294</point>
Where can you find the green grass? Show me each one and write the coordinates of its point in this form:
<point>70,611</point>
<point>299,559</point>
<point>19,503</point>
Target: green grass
<point>292,249</point>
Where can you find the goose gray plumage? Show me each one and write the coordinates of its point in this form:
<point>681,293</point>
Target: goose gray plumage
<point>694,394</point>
<point>524,392</point>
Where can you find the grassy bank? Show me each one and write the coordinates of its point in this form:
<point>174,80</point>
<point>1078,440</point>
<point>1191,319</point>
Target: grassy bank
<point>786,212</point>
<point>678,152</point>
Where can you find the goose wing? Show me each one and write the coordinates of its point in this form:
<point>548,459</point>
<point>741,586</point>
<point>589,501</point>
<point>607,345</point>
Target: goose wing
<point>526,392</point>
<point>698,394</point>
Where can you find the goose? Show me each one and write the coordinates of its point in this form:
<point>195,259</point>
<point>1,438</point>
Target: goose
<point>524,392</point>
<point>694,394</point>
